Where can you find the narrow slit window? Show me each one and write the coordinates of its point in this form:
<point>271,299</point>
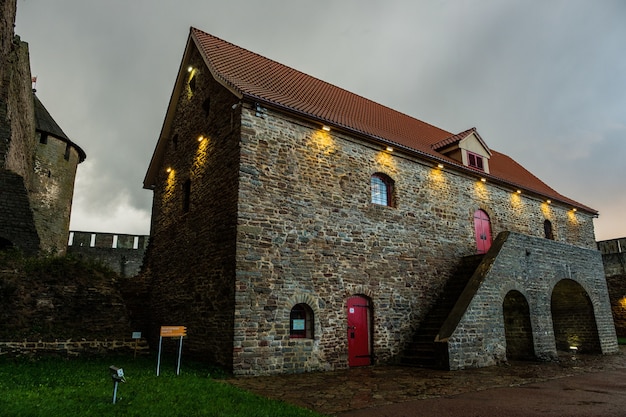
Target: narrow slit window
<point>186,196</point>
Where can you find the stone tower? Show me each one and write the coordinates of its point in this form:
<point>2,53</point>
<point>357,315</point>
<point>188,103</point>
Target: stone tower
<point>37,160</point>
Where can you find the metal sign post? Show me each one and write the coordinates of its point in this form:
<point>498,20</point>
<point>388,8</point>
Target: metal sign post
<point>171,331</point>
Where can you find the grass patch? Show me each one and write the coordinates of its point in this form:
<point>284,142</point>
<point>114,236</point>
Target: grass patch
<point>83,387</point>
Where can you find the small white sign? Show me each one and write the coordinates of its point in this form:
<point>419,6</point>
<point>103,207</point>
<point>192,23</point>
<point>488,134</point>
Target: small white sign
<point>351,310</point>
<point>136,335</point>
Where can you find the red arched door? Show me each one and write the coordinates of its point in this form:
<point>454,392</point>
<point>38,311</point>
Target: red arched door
<point>482,229</point>
<point>359,339</point>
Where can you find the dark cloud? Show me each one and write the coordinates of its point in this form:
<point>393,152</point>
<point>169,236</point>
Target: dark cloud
<point>543,83</point>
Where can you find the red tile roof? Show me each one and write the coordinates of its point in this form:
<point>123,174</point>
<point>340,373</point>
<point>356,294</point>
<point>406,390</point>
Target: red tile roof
<point>267,81</point>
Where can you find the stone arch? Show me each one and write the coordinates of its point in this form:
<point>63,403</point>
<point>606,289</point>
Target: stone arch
<point>517,326</point>
<point>573,318</point>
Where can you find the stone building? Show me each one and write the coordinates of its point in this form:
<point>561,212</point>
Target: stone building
<point>37,160</point>
<point>297,226</point>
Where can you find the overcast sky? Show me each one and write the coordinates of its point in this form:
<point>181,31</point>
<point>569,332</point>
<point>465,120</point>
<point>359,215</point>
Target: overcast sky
<point>543,81</point>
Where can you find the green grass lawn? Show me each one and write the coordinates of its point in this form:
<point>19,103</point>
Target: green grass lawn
<point>83,387</point>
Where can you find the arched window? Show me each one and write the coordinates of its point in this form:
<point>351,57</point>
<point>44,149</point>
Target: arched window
<point>547,229</point>
<point>382,190</point>
<point>301,322</point>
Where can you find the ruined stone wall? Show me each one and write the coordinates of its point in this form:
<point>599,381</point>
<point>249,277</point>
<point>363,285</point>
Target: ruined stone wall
<point>307,229</point>
<point>533,267</point>
<point>191,258</point>
<point>122,253</point>
<point>20,113</point>
<point>614,261</point>
<point>17,129</point>
<point>7,22</point>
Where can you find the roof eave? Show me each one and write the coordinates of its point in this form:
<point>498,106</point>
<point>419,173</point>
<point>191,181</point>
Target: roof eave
<point>416,152</point>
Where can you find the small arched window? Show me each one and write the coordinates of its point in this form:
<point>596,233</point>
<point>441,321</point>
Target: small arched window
<point>382,190</point>
<point>547,229</point>
<point>301,322</point>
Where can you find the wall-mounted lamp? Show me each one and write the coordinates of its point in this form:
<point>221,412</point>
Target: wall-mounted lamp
<point>549,201</point>
<point>440,166</point>
<point>190,68</point>
<point>389,149</point>
<point>574,210</point>
<point>518,191</point>
<point>200,138</point>
<point>483,179</point>
<point>168,170</point>
<point>326,128</point>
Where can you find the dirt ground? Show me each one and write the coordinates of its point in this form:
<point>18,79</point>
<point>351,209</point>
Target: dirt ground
<point>580,385</point>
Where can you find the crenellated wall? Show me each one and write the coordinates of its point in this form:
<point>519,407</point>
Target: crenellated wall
<point>121,252</point>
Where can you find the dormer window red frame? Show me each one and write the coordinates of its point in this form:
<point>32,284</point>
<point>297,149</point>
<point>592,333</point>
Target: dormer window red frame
<point>475,161</point>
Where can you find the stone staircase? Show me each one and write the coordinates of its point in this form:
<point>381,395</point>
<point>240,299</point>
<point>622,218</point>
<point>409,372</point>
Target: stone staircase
<point>421,350</point>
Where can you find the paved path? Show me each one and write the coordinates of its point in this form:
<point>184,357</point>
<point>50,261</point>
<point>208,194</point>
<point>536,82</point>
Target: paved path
<point>583,385</point>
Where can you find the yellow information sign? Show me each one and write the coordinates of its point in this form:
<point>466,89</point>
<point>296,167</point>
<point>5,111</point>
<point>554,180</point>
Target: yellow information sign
<point>173,331</point>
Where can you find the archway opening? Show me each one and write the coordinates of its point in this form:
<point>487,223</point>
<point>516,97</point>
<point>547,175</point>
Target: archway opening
<point>517,327</point>
<point>573,318</point>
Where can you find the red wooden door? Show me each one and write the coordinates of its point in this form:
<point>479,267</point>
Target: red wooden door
<point>482,228</point>
<point>359,339</point>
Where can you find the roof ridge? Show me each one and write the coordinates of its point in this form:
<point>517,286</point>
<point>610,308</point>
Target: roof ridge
<point>307,79</point>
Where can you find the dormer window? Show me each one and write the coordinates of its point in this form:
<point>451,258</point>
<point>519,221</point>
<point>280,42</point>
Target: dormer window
<point>475,161</point>
<point>467,148</point>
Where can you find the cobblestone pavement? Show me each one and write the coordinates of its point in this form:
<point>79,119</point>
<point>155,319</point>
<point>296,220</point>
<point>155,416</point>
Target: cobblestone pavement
<point>333,393</point>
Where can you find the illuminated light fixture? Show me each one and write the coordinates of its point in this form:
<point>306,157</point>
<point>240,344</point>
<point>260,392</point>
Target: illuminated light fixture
<point>326,128</point>
<point>574,210</point>
<point>549,201</point>
<point>440,166</point>
<point>190,68</point>
<point>389,149</point>
<point>200,138</point>
<point>519,191</point>
<point>168,169</point>
<point>483,179</point>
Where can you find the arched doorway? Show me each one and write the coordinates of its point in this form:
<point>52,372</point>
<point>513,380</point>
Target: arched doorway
<point>359,331</point>
<point>517,327</point>
<point>482,229</point>
<point>573,318</point>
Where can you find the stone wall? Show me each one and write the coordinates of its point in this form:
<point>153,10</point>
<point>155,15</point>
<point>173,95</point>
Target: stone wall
<point>74,347</point>
<point>17,226</point>
<point>549,275</point>
<point>613,256</point>
<point>17,130</point>
<point>122,253</point>
<point>614,261</point>
<point>307,228</point>
<point>191,258</point>
<point>20,113</point>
